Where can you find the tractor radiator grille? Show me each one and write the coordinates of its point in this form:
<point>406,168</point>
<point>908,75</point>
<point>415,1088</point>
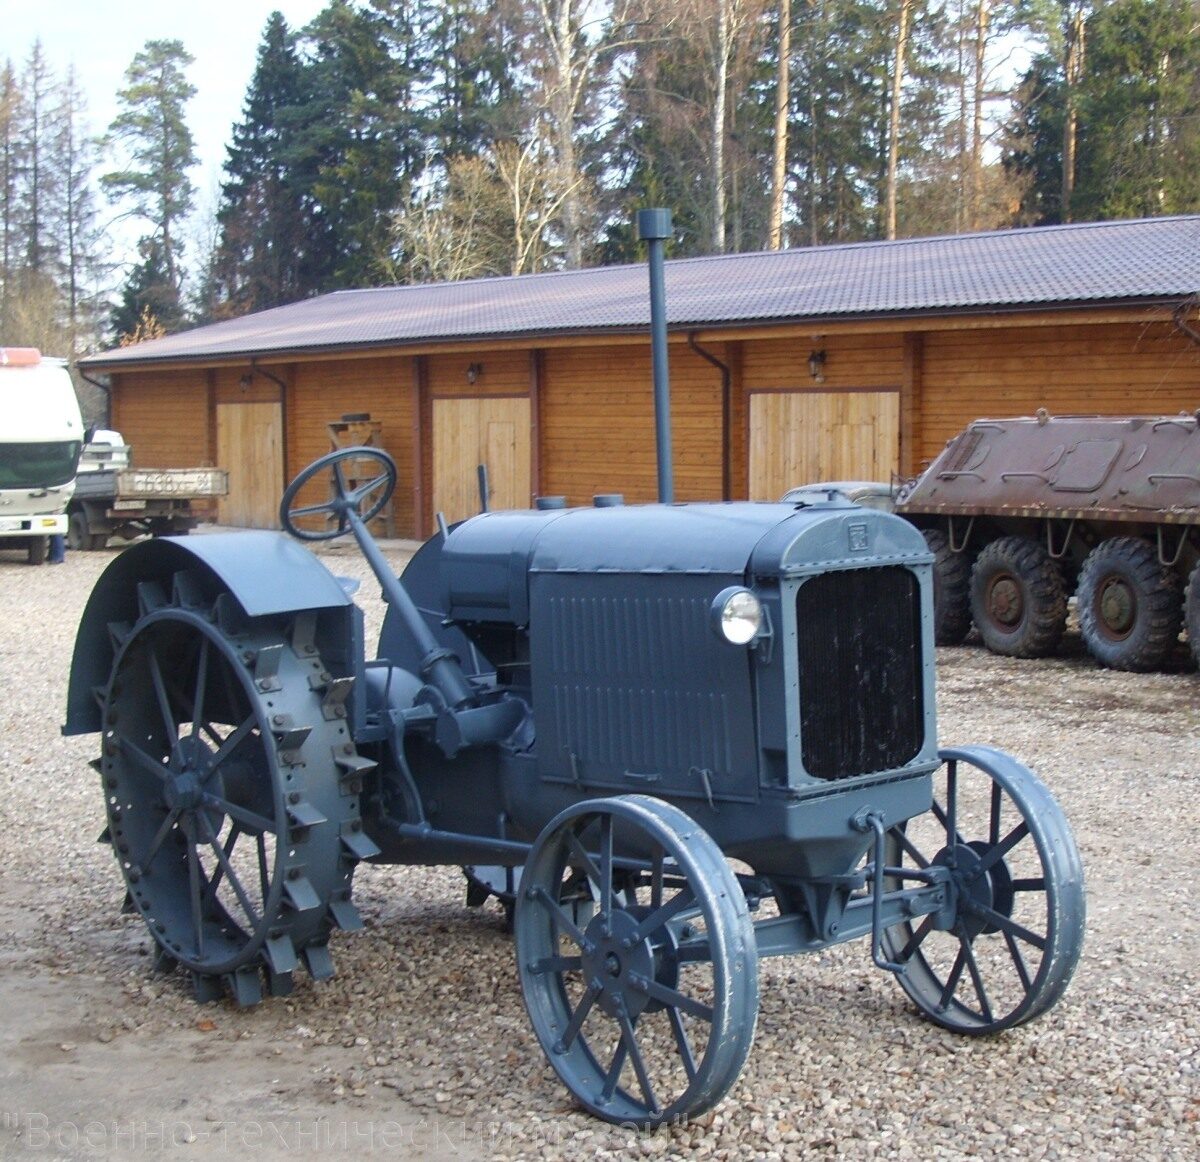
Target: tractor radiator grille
<point>861,683</point>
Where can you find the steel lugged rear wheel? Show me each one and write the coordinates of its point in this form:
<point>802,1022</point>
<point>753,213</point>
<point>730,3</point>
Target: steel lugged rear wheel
<point>1130,610</point>
<point>1017,882</point>
<point>235,828</point>
<point>637,960</point>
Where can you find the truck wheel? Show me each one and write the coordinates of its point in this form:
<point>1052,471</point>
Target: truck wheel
<point>79,538</point>
<point>38,547</point>
<point>1018,600</point>
<point>236,831</point>
<point>645,1000</point>
<point>1129,608</point>
<point>951,590</point>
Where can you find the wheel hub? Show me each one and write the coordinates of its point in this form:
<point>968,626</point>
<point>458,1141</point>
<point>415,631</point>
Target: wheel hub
<point>1005,604</point>
<point>1116,607</point>
<point>618,963</point>
<point>977,888</point>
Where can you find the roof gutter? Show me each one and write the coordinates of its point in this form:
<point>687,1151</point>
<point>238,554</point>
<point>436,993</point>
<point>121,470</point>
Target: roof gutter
<point>1179,318</point>
<point>726,408</point>
<point>106,388</point>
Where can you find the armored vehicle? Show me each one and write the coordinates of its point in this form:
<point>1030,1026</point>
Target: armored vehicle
<point>1021,513</point>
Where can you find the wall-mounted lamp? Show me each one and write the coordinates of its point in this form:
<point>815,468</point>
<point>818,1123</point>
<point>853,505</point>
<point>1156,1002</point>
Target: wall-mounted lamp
<point>816,366</point>
<point>474,371</point>
<point>246,380</point>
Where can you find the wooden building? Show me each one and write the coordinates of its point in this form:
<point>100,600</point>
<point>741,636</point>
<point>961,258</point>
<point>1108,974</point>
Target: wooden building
<point>837,362</point>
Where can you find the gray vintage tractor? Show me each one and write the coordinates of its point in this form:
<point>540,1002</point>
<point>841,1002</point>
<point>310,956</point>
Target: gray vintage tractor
<point>673,738</point>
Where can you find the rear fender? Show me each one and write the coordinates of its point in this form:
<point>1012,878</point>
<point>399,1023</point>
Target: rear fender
<point>266,573</point>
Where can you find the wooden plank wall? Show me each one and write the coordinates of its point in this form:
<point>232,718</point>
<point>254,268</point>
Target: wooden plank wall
<point>597,417</point>
<point>323,391</point>
<point>1147,368</point>
<point>166,417</point>
<point>801,437</point>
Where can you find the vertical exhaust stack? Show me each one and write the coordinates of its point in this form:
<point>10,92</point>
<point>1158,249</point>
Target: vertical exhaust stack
<point>654,227</point>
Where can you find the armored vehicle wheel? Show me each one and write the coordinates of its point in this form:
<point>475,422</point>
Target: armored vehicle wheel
<point>366,499</point>
<point>236,837</point>
<point>1018,900</point>
<point>1191,612</point>
<point>1018,601</point>
<point>1130,611</point>
<point>644,994</point>
<point>951,590</point>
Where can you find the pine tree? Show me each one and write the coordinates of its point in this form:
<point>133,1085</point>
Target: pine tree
<point>152,128</point>
<point>263,250</point>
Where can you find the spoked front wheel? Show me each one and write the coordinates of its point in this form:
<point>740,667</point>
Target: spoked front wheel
<point>1017,879</point>
<point>637,960</point>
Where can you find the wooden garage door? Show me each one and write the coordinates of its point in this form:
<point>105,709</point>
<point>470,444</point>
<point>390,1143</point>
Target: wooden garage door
<point>250,448</point>
<point>800,437</point>
<point>470,432</point>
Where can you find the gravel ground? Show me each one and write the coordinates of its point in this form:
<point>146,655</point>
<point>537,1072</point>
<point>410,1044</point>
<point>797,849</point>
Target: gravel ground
<point>420,1045</point>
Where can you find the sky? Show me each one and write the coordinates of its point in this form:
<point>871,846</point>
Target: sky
<point>100,38</point>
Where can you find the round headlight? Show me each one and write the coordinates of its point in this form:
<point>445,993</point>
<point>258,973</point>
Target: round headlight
<point>739,615</point>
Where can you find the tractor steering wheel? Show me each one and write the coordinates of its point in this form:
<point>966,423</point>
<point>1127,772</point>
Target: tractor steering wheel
<point>374,494</point>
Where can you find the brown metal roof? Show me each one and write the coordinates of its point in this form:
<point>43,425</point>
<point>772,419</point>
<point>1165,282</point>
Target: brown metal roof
<point>1153,259</point>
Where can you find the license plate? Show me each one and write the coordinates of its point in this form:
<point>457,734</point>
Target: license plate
<point>128,505</point>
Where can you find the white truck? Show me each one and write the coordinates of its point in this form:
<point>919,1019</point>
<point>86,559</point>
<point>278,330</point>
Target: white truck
<point>41,434</point>
<point>113,498</point>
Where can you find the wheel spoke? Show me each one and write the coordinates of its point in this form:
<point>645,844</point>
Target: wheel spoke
<point>339,480</point>
<point>201,685</point>
<point>215,882</point>
<point>678,1000</point>
<point>164,705</point>
<point>999,850</point>
<point>660,917</point>
<point>230,874</point>
<point>952,797</point>
<point>916,939</point>
<point>639,1064</point>
<point>952,980</point>
<point>1008,925</point>
<point>1018,960</point>
<point>161,834</point>
<point>656,879</point>
<point>944,820</point>
<point>147,762</point>
<point>614,1072</point>
<point>565,924</point>
<point>911,848</point>
<point>194,892</point>
<point>577,1018</point>
<point>231,743</point>
<point>681,1040</point>
<point>984,1005</point>
<point>260,841</point>
<point>1031,885</point>
<point>606,864</point>
<point>585,860</point>
<point>243,815</point>
<point>557,964</point>
<point>994,829</point>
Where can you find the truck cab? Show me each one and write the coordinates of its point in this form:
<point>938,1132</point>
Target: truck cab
<point>40,441</point>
